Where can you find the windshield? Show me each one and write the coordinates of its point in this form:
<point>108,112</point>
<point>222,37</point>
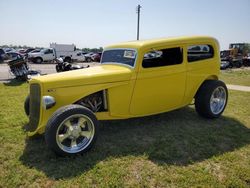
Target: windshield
<point>35,51</point>
<point>44,50</point>
<point>120,56</point>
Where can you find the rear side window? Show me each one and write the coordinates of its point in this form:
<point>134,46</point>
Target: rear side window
<point>164,57</point>
<point>200,52</point>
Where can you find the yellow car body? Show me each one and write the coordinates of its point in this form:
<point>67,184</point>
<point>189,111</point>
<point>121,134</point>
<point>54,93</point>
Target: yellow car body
<point>128,91</point>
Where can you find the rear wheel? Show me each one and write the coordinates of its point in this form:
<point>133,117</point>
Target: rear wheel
<point>38,60</point>
<point>211,99</point>
<point>71,130</point>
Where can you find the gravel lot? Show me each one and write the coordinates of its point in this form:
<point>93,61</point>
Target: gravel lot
<point>5,75</point>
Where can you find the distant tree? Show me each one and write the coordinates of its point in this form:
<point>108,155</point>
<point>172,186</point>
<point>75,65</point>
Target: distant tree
<point>15,46</point>
<point>86,50</point>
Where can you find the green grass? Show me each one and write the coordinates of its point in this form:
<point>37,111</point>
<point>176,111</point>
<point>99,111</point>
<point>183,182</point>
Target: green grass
<point>175,149</point>
<point>236,76</point>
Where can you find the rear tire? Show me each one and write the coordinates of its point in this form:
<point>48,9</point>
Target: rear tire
<point>211,99</point>
<point>71,130</point>
<point>38,60</point>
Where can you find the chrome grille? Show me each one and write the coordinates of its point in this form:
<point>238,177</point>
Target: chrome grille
<point>35,100</point>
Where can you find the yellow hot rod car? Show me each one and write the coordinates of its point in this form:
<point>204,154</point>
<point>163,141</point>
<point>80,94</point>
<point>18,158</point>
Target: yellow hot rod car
<point>137,78</point>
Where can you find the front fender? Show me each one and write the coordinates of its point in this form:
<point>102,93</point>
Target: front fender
<point>66,96</point>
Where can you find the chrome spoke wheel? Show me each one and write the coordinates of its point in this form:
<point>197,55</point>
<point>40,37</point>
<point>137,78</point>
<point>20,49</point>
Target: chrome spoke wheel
<point>75,133</point>
<point>218,100</point>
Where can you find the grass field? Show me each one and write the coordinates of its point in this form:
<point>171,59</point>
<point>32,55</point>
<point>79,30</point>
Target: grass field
<point>236,76</point>
<point>175,149</point>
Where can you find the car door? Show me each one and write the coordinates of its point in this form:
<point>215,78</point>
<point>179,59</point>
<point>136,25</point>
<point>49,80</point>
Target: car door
<point>80,57</point>
<point>48,55</point>
<point>160,83</point>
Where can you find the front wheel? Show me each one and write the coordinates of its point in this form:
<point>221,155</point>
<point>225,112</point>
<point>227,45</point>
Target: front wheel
<point>71,130</point>
<point>211,99</point>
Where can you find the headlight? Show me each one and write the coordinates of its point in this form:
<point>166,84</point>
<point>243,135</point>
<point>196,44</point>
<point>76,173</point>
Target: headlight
<point>48,102</point>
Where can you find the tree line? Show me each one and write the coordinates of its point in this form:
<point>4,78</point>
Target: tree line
<point>100,49</point>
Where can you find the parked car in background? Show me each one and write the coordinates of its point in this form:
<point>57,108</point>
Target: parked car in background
<point>79,56</point>
<point>26,51</point>
<point>2,55</point>
<point>224,65</point>
<point>9,50</point>
<point>13,56</point>
<point>96,57</point>
<point>67,106</point>
<point>20,51</point>
<point>88,56</point>
<point>41,55</point>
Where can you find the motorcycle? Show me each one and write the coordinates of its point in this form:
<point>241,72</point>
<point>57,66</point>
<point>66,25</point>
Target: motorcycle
<point>20,69</point>
<point>65,66</point>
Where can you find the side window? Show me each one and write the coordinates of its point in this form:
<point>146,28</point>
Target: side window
<point>164,57</point>
<point>200,52</point>
<point>48,51</point>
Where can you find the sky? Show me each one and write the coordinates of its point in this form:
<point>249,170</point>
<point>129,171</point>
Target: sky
<point>96,23</point>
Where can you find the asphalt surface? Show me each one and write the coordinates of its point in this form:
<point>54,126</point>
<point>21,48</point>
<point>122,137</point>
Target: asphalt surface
<point>6,76</point>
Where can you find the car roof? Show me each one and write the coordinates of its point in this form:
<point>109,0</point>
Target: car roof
<point>170,40</point>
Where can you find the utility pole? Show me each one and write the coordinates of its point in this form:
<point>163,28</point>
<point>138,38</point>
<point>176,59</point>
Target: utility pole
<point>138,10</point>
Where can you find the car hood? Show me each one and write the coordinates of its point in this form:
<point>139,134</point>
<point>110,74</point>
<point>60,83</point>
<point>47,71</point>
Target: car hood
<point>92,75</point>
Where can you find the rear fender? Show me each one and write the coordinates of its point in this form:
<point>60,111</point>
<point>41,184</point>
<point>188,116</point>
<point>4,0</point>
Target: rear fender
<point>211,77</point>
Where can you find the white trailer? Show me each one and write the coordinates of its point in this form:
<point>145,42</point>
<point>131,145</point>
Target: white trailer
<point>66,51</point>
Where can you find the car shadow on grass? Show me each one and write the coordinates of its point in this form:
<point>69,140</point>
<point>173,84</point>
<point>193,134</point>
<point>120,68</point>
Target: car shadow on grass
<point>180,137</point>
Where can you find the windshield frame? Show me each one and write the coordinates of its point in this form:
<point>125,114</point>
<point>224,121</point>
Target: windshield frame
<point>114,63</point>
